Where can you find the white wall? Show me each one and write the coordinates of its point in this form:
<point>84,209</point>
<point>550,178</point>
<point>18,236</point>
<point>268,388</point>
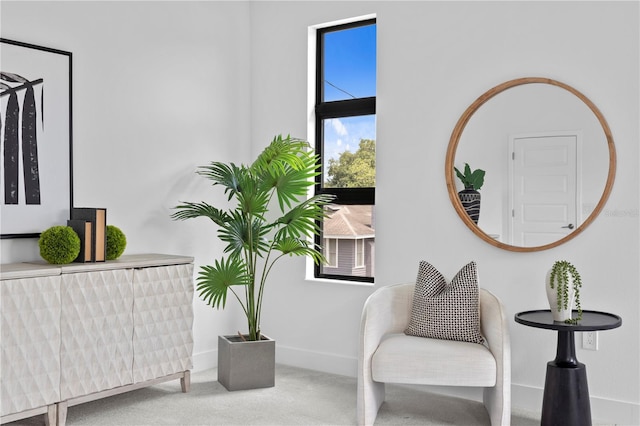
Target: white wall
<point>434,60</point>
<point>161,87</point>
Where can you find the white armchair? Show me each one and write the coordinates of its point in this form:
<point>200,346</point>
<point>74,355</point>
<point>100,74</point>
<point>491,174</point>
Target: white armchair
<point>386,354</point>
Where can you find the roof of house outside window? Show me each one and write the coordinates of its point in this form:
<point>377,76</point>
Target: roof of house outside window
<point>348,221</point>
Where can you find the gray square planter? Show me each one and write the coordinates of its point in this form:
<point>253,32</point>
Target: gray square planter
<point>246,365</point>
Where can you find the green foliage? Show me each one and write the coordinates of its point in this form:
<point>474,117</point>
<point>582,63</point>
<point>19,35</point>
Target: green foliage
<point>354,170</point>
<point>59,245</point>
<point>116,242</point>
<point>253,242</point>
<point>560,272</point>
<point>471,180</point>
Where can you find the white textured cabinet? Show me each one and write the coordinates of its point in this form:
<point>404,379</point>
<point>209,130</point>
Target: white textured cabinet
<point>30,345</point>
<point>79,332</point>
<point>163,321</point>
<point>96,329</point>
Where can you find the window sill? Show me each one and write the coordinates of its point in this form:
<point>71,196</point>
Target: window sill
<point>340,282</point>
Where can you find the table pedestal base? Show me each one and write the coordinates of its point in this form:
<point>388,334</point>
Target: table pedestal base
<point>566,395</point>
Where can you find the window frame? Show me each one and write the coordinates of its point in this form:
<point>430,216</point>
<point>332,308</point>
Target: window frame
<point>327,242</point>
<point>359,253</point>
<point>338,109</point>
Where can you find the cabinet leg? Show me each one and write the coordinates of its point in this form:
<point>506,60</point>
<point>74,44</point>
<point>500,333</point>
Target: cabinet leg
<point>185,381</point>
<point>50,416</point>
<point>62,413</point>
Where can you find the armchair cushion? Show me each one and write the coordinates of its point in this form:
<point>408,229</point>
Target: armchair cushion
<point>418,360</point>
<point>446,311</point>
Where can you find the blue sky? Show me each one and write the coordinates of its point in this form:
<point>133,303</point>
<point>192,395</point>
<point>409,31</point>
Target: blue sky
<point>350,71</point>
<point>350,63</point>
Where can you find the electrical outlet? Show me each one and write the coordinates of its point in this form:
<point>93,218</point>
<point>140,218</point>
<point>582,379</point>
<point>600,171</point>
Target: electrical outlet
<point>590,340</point>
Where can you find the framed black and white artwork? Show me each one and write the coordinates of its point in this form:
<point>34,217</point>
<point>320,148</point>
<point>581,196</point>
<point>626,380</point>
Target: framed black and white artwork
<point>36,189</point>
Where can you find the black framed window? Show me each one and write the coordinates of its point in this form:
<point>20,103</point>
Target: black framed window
<point>345,135</point>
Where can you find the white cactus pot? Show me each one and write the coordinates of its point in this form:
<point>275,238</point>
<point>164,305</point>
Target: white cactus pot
<point>552,295</point>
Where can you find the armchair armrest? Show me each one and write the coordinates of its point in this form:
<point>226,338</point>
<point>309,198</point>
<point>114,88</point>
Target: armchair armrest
<point>495,329</point>
<point>387,310</point>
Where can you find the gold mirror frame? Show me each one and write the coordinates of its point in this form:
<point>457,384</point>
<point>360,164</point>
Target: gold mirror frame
<point>453,145</point>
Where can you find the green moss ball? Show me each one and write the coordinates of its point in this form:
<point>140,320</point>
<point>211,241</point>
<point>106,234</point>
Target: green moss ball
<point>59,245</point>
<point>116,242</point>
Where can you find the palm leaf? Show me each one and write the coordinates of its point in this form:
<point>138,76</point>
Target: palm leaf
<point>227,175</point>
<point>288,166</point>
<point>235,232</point>
<point>294,183</point>
<point>213,282</point>
<point>298,247</point>
<point>253,198</point>
<point>279,152</point>
<point>303,219</point>
<point>188,210</point>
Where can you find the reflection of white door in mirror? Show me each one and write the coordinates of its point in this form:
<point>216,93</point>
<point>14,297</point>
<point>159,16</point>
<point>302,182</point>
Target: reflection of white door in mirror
<point>544,187</point>
<point>531,105</point>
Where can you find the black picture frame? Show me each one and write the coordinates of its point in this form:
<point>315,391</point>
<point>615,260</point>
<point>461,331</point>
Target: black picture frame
<point>36,149</point>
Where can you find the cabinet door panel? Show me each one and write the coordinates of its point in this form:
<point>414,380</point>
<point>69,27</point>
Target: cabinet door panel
<point>163,320</point>
<point>30,356</point>
<point>97,331</point>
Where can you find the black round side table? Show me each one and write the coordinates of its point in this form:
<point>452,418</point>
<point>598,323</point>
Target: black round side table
<point>566,394</point>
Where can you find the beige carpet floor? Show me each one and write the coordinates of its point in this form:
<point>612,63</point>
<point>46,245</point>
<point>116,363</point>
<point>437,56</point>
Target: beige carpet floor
<point>300,397</point>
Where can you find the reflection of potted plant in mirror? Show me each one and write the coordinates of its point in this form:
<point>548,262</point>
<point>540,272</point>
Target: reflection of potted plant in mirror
<point>469,196</point>
<point>563,285</point>
<point>267,222</point>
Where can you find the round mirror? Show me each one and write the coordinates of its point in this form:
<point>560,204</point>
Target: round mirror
<point>548,159</point>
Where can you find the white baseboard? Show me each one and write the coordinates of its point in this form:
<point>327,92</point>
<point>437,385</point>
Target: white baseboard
<point>528,400</point>
<point>614,412</point>
<point>205,360</point>
<point>604,411</point>
<point>319,361</point>
<point>312,360</point>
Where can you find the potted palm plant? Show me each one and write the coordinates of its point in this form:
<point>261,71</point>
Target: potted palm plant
<point>269,217</point>
<point>469,196</point>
